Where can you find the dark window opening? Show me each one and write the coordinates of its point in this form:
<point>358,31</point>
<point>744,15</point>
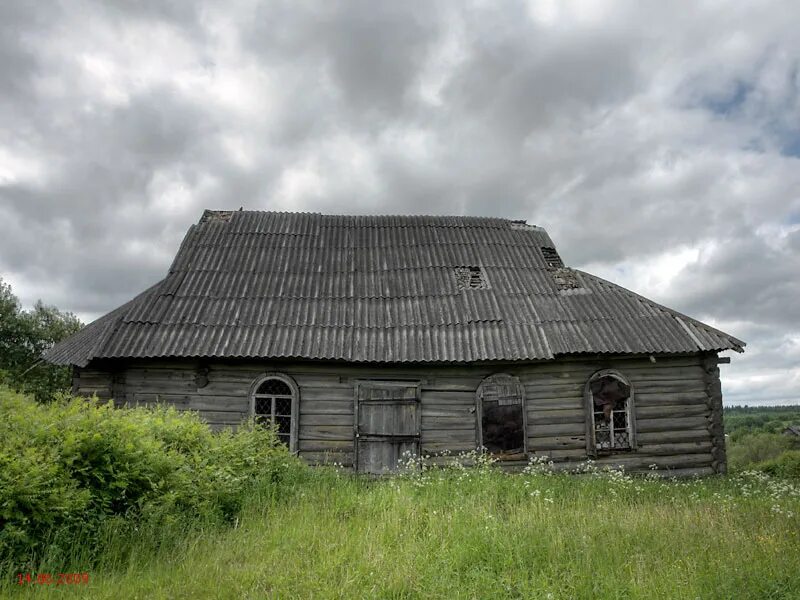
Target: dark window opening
<point>503,430</point>
<point>502,416</point>
<point>611,418</point>
<point>470,278</point>
<point>272,406</point>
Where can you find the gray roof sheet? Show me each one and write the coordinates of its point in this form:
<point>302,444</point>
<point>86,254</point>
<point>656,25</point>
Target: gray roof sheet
<point>379,289</point>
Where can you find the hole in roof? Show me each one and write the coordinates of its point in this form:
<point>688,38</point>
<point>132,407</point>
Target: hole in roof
<point>565,278</point>
<point>211,216</point>
<point>470,278</point>
<point>520,225</point>
<point>552,258</point>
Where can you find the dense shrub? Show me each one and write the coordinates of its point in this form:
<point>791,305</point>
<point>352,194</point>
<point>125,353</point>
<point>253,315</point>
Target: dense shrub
<point>756,448</point>
<point>70,466</point>
<point>786,465</point>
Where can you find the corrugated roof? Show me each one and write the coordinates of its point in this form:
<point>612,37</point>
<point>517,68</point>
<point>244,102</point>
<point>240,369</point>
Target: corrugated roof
<point>379,289</point>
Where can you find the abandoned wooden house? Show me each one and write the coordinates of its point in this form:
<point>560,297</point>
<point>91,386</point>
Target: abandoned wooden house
<point>792,431</point>
<point>363,338</point>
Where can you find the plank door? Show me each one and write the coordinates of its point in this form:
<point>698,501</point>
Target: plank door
<point>387,425</point>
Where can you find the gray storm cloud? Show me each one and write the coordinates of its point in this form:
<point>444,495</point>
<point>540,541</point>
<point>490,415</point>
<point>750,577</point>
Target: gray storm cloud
<point>657,142</point>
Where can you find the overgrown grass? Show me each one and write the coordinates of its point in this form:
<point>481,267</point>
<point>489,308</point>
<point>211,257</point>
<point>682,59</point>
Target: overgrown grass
<point>473,533</point>
<point>152,505</point>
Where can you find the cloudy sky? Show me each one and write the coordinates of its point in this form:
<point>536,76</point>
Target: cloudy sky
<point>658,142</point>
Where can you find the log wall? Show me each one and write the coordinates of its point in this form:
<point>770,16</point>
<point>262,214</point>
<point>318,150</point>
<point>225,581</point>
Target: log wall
<point>678,404</point>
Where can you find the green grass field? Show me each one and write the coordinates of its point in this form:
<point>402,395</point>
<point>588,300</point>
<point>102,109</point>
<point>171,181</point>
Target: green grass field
<point>472,533</point>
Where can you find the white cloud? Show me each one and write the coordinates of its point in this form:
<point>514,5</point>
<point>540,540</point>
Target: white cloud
<point>657,144</point>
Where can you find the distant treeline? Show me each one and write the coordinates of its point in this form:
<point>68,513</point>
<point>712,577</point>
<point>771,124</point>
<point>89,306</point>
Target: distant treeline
<point>789,408</point>
<point>758,439</point>
<point>741,420</point>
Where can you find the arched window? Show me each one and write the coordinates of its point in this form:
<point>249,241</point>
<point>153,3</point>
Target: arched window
<point>273,400</point>
<point>501,416</point>
<point>610,419</point>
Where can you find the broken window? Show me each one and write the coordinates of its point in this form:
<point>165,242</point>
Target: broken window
<point>470,278</point>
<point>501,414</point>
<point>610,403</point>
<point>274,404</point>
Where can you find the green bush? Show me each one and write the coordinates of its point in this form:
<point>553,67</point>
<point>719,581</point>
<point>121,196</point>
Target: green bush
<point>786,465</point>
<point>755,448</point>
<point>70,466</point>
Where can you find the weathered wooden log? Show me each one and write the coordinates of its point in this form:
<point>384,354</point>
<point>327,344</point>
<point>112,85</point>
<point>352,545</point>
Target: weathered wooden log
<point>557,443</point>
<point>457,436</point>
<point>308,420</point>
<point>679,448</point>
<point>448,410</point>
<point>671,398</point>
<point>536,404</point>
<point>677,436</point>
<point>555,417</point>
<point>671,411</point>
<point>683,423</point>
<point>465,421</point>
<point>325,445</point>
<point>326,432</point>
<point>334,394</point>
<point>569,429</point>
<point>458,398</point>
<point>448,446</point>
<point>326,407</point>
<point>643,461</point>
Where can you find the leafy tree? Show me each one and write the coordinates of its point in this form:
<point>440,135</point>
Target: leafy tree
<point>24,336</point>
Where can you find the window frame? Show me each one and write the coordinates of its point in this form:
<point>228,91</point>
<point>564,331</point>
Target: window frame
<point>479,413</point>
<point>295,420</point>
<point>630,413</point>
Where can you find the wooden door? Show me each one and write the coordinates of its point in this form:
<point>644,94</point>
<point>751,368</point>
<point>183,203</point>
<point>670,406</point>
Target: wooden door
<point>387,425</point>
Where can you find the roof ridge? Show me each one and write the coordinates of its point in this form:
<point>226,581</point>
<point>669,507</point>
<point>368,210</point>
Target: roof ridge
<point>324,326</point>
<point>210,213</point>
